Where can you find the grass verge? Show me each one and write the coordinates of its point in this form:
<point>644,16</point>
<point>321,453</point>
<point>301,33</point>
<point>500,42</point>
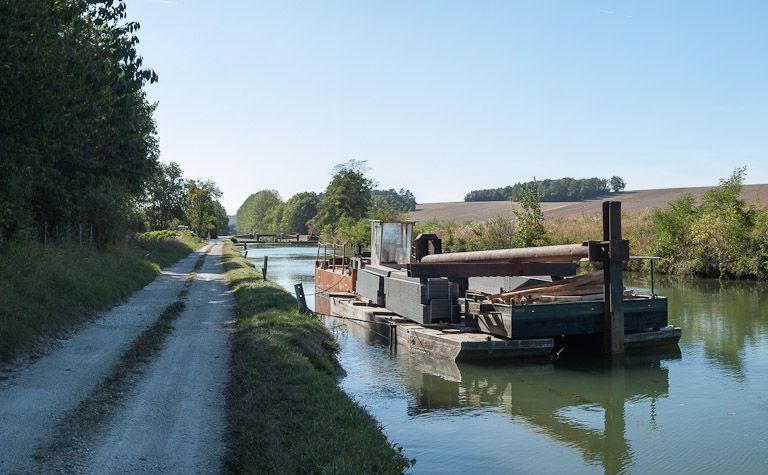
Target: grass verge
<point>47,290</point>
<point>286,413</point>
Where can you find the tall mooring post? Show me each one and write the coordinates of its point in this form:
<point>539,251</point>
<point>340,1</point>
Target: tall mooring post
<point>617,252</point>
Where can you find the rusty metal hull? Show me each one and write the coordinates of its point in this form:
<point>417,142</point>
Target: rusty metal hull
<point>328,280</point>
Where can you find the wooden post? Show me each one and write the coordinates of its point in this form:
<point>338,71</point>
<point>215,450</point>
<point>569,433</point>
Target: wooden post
<point>613,334</point>
<point>81,234</point>
<point>300,298</point>
<point>264,267</point>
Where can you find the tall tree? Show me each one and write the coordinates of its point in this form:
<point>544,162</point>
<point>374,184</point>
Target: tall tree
<point>347,196</point>
<point>203,210</point>
<point>73,117</point>
<point>164,198</point>
<point>617,184</point>
<point>530,220</point>
<point>298,210</point>
<point>402,200</point>
<point>254,216</point>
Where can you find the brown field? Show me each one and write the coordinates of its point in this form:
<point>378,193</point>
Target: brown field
<point>631,201</point>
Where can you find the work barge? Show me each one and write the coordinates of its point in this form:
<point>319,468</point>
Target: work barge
<point>494,304</point>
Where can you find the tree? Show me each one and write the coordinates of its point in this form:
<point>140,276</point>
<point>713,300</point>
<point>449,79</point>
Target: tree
<point>73,117</point>
<point>203,210</point>
<point>298,210</point>
<point>561,189</point>
<point>252,216</point>
<point>165,194</point>
<point>222,219</point>
<point>402,200</point>
<point>273,219</point>
<point>347,196</point>
<point>530,220</point>
<point>723,236</point>
<point>617,184</point>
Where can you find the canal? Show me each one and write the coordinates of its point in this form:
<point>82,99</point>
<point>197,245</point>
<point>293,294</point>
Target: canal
<point>701,408</point>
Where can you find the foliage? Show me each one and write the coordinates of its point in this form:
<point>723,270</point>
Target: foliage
<point>402,200</point>
<point>205,215</point>
<point>298,210</point>
<point>530,220</point>
<point>340,215</point>
<point>253,216</point>
<point>561,189</point>
<point>284,363</point>
<point>165,195</point>
<point>77,135</point>
<point>617,184</point>
<point>723,236</point>
<point>347,196</point>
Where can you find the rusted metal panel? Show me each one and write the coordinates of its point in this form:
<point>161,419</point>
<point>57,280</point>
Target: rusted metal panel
<point>328,280</point>
<point>322,303</point>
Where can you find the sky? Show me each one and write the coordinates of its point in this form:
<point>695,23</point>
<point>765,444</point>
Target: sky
<point>443,97</point>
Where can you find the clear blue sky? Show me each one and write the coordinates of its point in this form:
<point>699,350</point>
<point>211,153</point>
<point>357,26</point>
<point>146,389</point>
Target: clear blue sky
<point>443,97</point>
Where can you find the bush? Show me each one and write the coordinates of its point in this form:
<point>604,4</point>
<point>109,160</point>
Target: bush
<point>723,236</point>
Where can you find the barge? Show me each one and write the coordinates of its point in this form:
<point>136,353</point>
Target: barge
<point>497,304</point>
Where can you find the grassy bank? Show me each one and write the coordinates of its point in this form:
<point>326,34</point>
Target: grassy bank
<point>47,290</point>
<point>286,411</point>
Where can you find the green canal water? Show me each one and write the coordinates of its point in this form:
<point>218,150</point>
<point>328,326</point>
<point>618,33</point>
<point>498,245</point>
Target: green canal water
<point>699,408</point>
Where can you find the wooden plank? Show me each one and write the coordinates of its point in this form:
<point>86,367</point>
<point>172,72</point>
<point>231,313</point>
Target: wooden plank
<point>581,285</point>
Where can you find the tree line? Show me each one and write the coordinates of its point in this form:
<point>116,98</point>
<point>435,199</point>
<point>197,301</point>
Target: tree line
<point>78,142</point>
<point>560,189</point>
<point>340,213</point>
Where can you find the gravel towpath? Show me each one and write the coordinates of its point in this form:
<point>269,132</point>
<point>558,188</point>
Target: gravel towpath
<point>171,418</point>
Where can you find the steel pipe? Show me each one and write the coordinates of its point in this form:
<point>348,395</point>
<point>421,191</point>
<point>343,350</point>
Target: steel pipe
<point>561,253</point>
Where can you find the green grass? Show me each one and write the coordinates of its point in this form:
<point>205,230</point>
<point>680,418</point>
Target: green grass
<point>47,290</point>
<point>286,411</point>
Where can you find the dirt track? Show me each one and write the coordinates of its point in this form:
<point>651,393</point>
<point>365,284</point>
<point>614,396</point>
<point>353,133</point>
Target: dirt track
<point>171,418</point>
<point>631,201</point>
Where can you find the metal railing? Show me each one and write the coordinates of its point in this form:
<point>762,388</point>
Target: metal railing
<point>651,259</point>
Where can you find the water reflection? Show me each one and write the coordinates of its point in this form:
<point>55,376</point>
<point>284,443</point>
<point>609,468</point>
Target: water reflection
<point>702,406</point>
<point>578,404</point>
<point>727,319</point>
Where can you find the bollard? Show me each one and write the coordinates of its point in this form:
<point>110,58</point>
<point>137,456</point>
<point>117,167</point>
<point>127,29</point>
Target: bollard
<point>300,298</point>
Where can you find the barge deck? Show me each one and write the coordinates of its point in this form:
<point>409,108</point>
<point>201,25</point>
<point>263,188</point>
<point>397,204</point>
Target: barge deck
<point>458,342</point>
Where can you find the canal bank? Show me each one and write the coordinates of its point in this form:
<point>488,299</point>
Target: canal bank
<point>668,412</point>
